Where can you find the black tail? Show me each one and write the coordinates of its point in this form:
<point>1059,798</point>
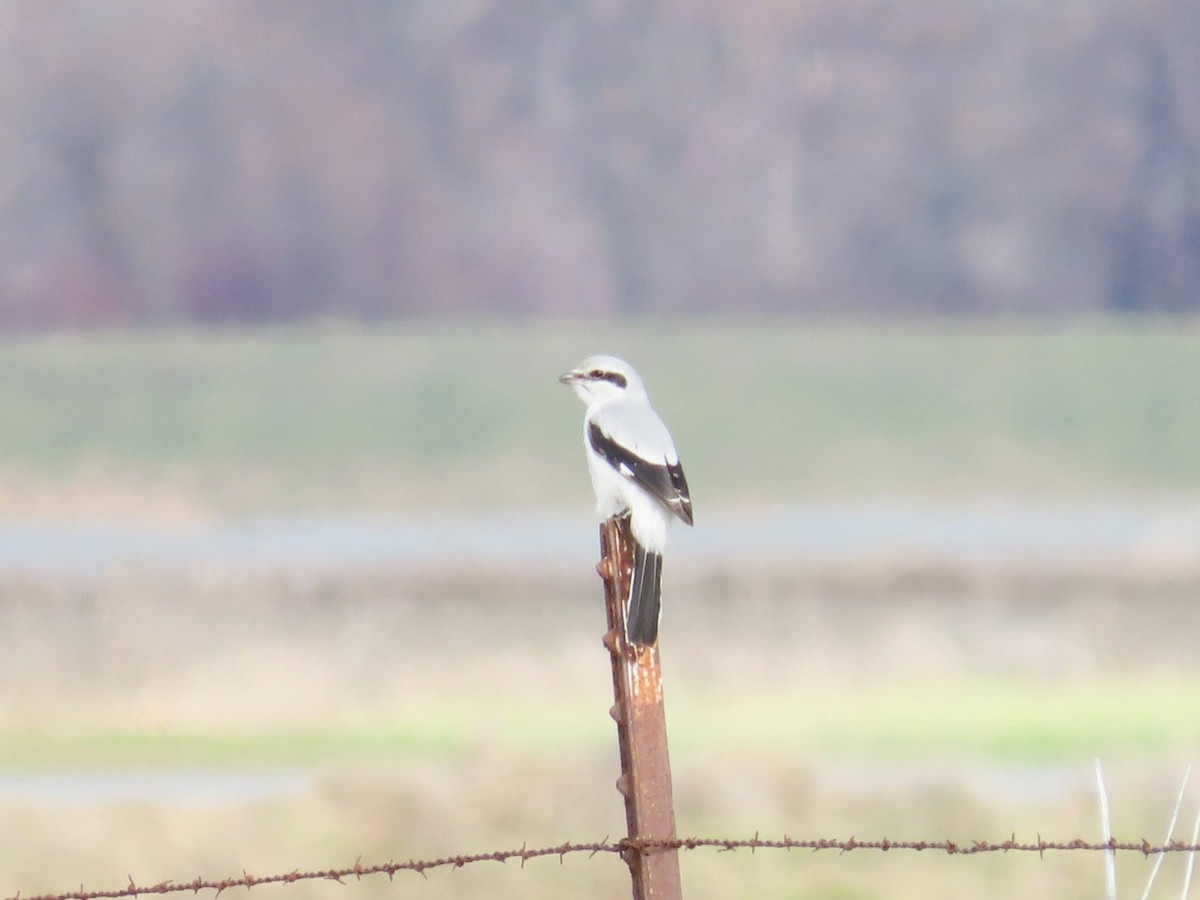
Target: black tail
<point>645,594</point>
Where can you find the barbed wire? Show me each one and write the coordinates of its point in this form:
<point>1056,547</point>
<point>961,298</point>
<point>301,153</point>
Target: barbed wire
<point>625,845</point>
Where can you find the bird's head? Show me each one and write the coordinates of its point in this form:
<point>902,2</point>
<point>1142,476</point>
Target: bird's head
<point>603,378</point>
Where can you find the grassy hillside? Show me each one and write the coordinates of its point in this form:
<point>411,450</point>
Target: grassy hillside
<point>425,414</point>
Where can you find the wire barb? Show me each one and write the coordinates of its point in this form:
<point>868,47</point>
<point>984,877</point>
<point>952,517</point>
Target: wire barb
<point>421,867</point>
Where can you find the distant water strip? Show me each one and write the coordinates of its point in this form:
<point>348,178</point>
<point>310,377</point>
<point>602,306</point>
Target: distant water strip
<point>554,539</point>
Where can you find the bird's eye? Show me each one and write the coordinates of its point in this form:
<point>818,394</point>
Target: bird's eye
<point>597,373</point>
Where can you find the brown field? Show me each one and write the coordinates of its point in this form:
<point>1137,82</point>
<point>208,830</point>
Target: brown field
<point>388,714</point>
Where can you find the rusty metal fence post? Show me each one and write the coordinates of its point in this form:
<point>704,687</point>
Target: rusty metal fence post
<point>641,721</point>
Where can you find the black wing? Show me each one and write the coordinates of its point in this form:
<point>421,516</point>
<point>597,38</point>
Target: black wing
<point>666,482</point>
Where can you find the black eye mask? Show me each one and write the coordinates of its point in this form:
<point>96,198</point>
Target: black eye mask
<point>615,377</point>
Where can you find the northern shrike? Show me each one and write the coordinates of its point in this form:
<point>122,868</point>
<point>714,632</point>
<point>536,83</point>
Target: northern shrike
<point>635,470</point>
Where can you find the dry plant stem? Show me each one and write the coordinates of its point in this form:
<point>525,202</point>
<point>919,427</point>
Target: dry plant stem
<point>1170,834</point>
<point>1191,863</point>
<point>641,721</point>
<point>1110,858</point>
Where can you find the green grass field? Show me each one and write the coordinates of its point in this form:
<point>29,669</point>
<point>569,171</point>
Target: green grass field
<point>1011,723</point>
<point>424,414</point>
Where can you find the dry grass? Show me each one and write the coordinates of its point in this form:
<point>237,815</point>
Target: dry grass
<point>419,716</point>
<point>492,799</point>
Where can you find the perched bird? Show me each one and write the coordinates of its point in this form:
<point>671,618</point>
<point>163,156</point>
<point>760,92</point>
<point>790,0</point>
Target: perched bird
<point>635,470</point>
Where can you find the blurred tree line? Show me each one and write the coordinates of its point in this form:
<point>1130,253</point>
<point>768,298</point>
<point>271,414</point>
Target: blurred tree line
<point>270,160</point>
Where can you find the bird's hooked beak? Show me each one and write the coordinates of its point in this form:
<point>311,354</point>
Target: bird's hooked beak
<point>569,378</point>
